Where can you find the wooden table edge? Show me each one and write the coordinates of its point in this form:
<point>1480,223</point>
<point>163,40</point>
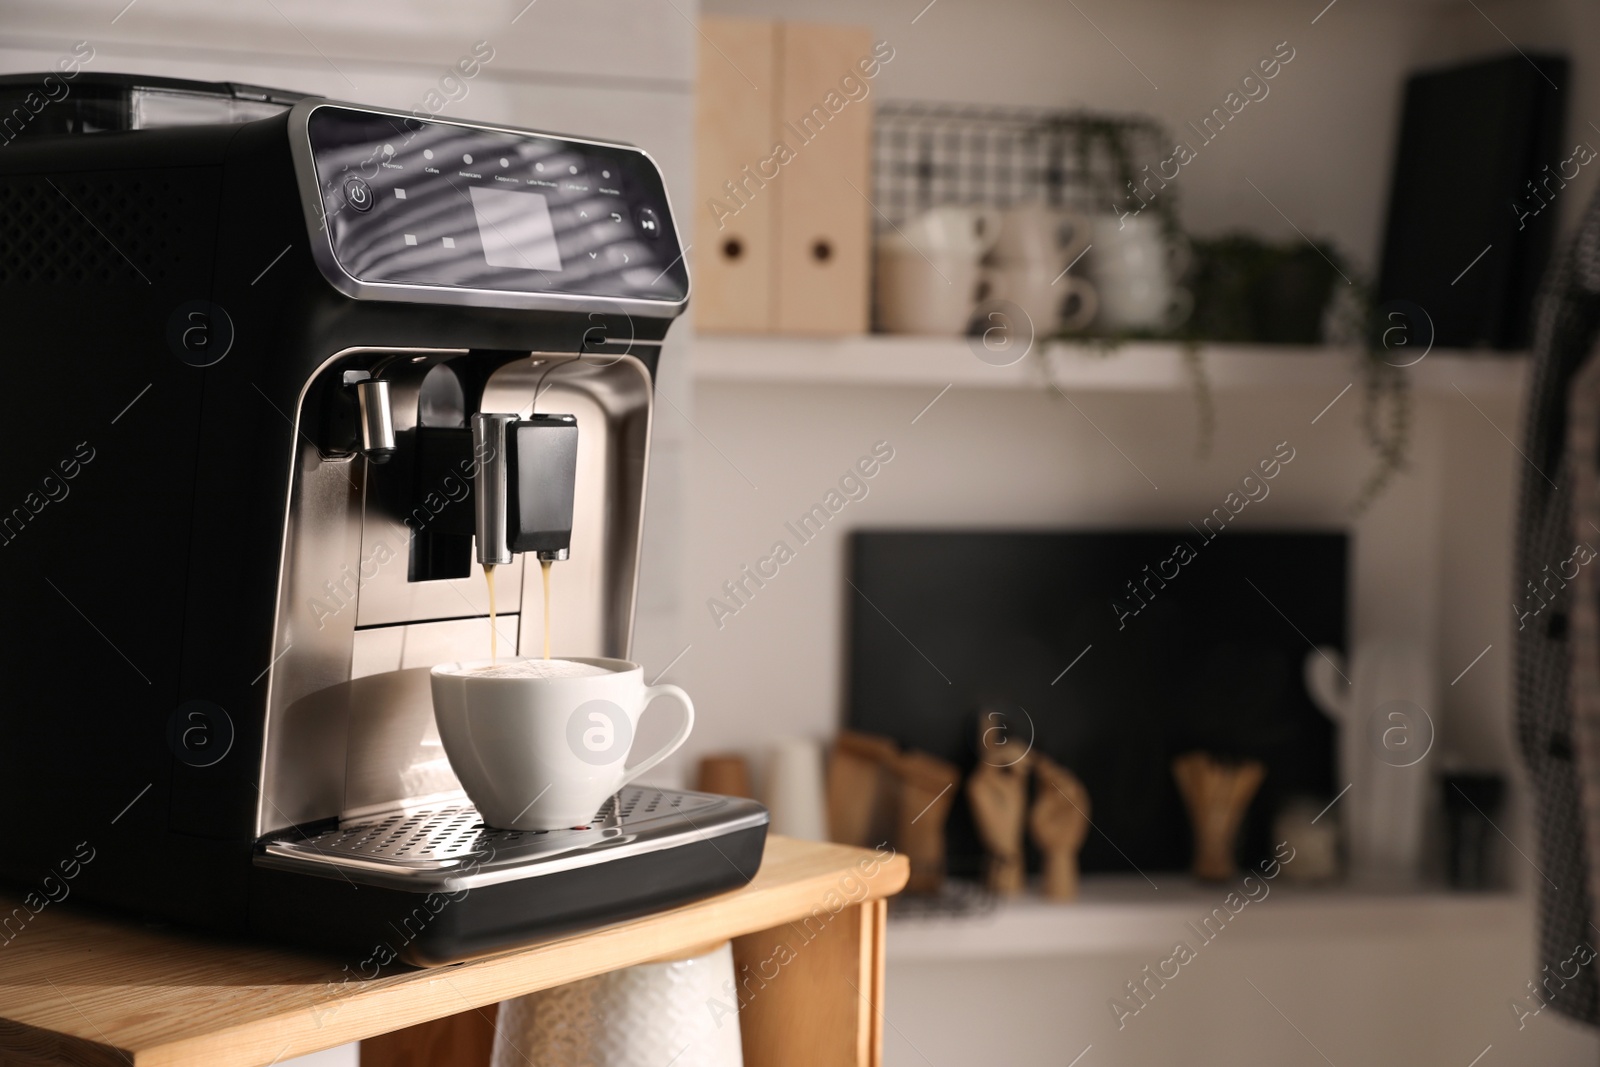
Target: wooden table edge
<point>392,1002</point>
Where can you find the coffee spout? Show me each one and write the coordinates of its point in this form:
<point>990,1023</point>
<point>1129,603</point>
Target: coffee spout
<point>490,490</point>
<point>527,475</point>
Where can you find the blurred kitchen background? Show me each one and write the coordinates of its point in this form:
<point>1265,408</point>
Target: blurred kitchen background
<point>1283,289</point>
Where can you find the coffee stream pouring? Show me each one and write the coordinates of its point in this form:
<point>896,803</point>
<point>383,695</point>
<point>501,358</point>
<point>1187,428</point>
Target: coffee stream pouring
<point>339,496</point>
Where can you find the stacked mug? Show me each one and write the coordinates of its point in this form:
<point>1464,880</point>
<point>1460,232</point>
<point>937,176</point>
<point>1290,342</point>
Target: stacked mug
<point>964,270</point>
<point>930,270</point>
<point>1027,272</point>
<point>1136,265</point>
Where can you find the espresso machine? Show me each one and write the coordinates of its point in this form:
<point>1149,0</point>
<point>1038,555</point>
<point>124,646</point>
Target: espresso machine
<point>277,390</point>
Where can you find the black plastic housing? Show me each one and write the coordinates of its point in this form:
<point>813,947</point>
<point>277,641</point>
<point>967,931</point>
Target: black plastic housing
<point>143,496</point>
<point>541,477</point>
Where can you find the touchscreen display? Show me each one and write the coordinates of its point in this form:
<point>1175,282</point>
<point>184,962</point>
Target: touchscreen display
<point>515,229</point>
<point>439,204</point>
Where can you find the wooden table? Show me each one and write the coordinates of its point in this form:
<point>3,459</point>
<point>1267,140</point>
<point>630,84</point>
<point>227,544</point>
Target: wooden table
<point>79,987</point>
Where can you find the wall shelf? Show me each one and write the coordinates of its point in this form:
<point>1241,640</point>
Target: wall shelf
<point>1116,913</point>
<point>1146,366</point>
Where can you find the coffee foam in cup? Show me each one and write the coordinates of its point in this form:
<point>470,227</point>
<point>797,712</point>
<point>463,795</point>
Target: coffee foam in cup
<point>535,668</point>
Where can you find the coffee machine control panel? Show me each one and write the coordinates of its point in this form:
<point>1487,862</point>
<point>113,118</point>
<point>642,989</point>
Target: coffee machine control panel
<point>442,206</point>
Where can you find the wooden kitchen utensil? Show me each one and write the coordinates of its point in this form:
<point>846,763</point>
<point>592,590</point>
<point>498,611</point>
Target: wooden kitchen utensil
<point>927,791</point>
<point>861,788</point>
<point>1216,794</point>
<point>1059,822</point>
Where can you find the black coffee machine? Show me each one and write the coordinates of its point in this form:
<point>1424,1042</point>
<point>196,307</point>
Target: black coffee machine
<point>247,489</point>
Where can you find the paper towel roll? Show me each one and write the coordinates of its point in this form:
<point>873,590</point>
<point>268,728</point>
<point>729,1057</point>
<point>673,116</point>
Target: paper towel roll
<point>641,1016</point>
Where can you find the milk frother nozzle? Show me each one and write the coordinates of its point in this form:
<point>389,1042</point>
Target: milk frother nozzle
<point>377,420</point>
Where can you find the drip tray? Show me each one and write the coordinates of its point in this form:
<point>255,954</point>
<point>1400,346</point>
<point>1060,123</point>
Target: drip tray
<point>447,848</point>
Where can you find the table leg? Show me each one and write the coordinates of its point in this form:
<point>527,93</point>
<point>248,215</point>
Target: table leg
<point>811,992</point>
<point>808,994</point>
<point>464,1040</point>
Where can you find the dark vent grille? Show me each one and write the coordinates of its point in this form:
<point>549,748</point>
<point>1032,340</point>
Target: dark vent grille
<point>105,229</point>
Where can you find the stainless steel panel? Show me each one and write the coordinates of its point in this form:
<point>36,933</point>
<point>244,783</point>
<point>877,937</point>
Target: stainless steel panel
<point>593,591</point>
<point>340,739</point>
<point>398,648</point>
<point>386,595</point>
<point>303,756</point>
<point>387,598</point>
<point>394,755</point>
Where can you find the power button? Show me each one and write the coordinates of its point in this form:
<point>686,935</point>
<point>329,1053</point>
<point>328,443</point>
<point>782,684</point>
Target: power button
<point>357,193</point>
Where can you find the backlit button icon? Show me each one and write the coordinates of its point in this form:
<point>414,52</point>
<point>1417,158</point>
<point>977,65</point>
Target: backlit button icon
<point>583,214</point>
<point>399,194</point>
<point>649,222</point>
<point>616,217</point>
<point>357,193</point>
<point>411,238</point>
<point>449,242</point>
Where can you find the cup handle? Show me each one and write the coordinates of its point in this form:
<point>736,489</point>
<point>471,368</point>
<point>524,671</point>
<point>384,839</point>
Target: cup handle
<point>1180,255</point>
<point>986,223</point>
<point>650,693</point>
<point>1178,310</point>
<point>1088,300</point>
<point>1075,232</point>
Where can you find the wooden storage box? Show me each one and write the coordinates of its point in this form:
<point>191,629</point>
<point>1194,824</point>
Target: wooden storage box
<point>783,133</point>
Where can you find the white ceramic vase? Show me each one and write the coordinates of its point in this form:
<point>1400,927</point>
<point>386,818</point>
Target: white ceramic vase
<point>1382,701</point>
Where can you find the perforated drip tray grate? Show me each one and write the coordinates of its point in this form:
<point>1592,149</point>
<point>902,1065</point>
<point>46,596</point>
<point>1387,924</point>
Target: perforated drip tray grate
<point>448,844</point>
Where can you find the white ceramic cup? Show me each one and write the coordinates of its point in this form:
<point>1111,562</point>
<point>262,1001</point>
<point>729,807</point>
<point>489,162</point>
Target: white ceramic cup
<point>925,292</point>
<point>1046,236</point>
<point>545,753</point>
<point>959,231</point>
<point>1052,302</point>
<point>1136,264</point>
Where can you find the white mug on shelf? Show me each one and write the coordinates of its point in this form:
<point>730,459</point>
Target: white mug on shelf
<point>1136,264</point>
<point>1051,299</point>
<point>1040,235</point>
<point>925,291</point>
<point>954,230</point>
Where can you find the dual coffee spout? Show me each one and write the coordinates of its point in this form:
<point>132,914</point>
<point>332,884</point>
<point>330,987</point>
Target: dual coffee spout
<point>527,474</point>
